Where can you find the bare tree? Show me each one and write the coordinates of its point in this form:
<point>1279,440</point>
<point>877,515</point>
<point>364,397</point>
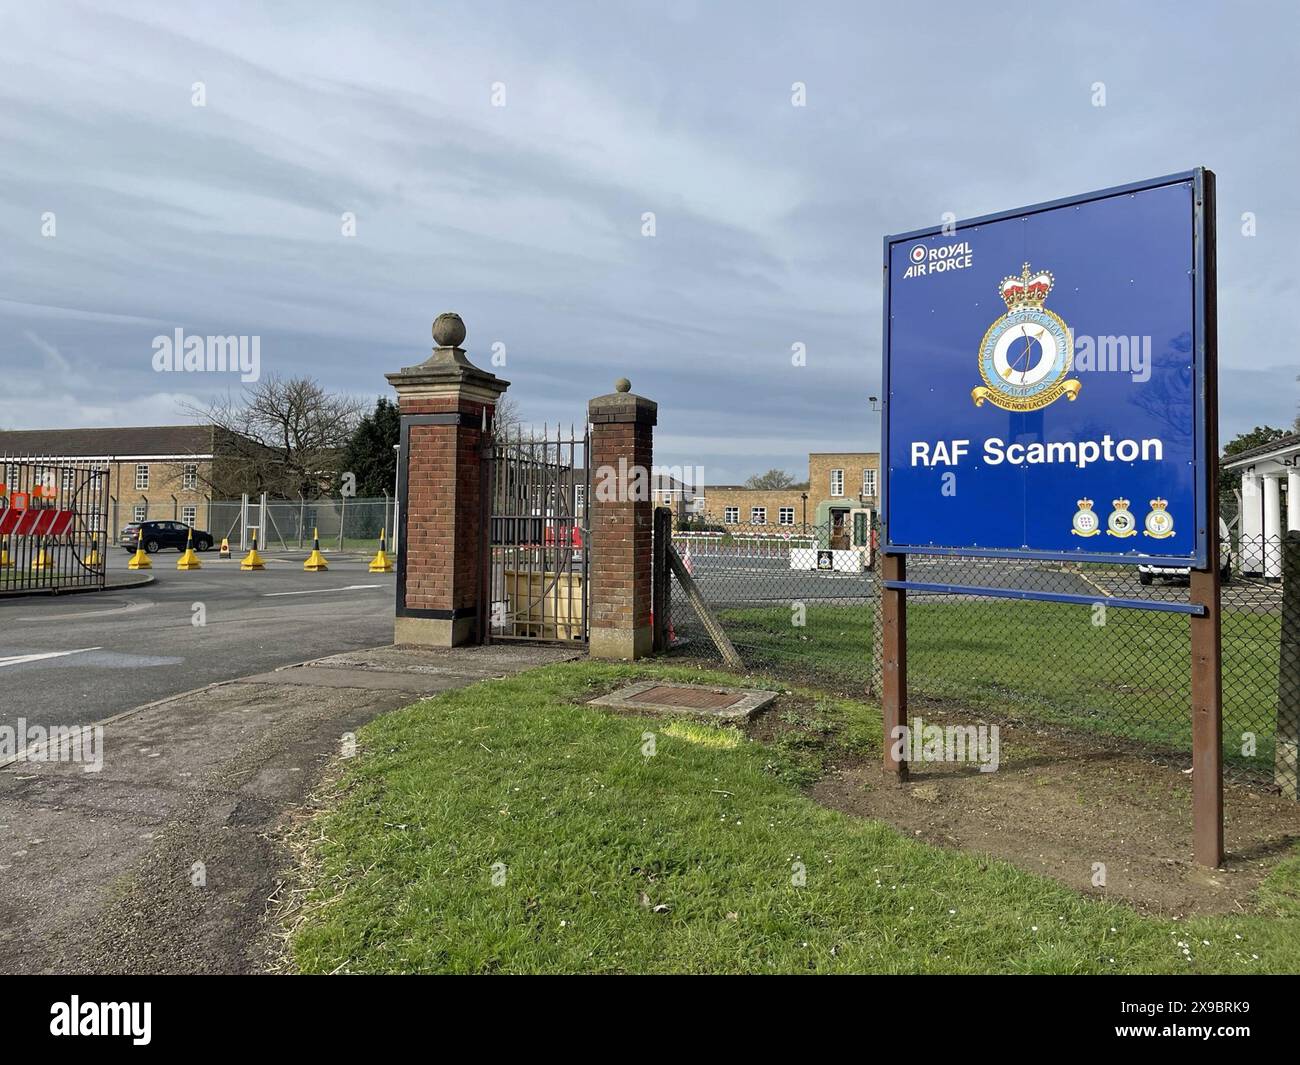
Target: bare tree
<point>282,436</point>
<point>770,479</point>
<point>507,420</point>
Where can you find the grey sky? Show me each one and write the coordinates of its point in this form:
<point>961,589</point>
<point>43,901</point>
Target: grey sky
<point>526,219</point>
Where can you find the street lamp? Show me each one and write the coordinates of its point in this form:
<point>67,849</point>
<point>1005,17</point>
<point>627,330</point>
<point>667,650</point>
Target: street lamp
<point>804,497</point>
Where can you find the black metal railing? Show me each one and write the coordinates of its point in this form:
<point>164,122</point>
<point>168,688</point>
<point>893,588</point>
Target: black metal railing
<point>537,556</point>
<point>53,523</point>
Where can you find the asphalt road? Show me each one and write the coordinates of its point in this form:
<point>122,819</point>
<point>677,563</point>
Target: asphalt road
<point>111,651</point>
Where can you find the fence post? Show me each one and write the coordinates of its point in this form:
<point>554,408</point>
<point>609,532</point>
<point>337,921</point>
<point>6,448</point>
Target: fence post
<point>622,516</point>
<point>446,404</point>
<point>1286,765</point>
<point>663,535</point>
<point>893,669</point>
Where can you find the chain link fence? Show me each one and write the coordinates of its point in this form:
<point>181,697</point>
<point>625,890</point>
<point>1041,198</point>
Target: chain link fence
<point>1115,672</point>
<point>344,523</point>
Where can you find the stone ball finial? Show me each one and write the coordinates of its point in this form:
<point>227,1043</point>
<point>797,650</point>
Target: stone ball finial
<point>448,330</point>
<point>622,385</point>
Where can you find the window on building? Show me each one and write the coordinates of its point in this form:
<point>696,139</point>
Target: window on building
<point>758,515</point>
<point>579,498</point>
<point>786,516</point>
<point>69,480</point>
<point>190,515</point>
<point>190,479</point>
<point>869,482</point>
<point>142,476</point>
<point>140,513</point>
<point>837,482</point>
<point>92,521</point>
<point>731,515</point>
<point>11,477</point>
<point>668,499</point>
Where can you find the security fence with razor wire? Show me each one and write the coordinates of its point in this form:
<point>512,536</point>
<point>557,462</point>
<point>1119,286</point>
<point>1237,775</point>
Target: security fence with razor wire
<point>794,608</point>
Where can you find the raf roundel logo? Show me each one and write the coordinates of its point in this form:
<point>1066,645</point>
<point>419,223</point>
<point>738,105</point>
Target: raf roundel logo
<point>1026,354</point>
<point>917,254</point>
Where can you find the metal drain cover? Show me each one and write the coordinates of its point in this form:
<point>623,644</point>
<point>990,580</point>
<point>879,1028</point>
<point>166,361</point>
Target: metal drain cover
<point>697,700</point>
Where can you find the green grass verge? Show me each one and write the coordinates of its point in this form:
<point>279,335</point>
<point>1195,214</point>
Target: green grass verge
<point>1129,677</point>
<point>684,861</point>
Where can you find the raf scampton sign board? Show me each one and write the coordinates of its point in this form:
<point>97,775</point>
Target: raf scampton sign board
<point>1044,374</point>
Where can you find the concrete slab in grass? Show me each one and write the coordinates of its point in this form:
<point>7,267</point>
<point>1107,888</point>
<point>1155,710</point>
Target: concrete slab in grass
<point>694,700</point>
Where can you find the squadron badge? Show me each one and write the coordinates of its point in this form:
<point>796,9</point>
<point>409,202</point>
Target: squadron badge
<point>1086,522</point>
<point>1026,354</point>
<point>1159,523</point>
<point>1121,521</point>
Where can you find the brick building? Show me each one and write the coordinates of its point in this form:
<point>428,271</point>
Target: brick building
<point>840,484</point>
<point>158,472</point>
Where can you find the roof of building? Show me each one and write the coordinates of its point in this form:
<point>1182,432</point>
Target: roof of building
<point>137,442</point>
<point>796,488</point>
<point>1281,444</point>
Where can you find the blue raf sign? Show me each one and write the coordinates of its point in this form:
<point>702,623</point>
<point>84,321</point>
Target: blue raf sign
<point>1044,380</point>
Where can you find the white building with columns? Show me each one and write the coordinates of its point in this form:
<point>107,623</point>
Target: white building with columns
<point>1267,473</point>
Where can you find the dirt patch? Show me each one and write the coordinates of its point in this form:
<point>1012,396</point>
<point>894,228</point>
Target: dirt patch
<point>1063,808</point>
<point>1059,804</point>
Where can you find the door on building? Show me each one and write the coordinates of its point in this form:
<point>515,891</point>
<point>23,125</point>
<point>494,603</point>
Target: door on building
<point>840,529</point>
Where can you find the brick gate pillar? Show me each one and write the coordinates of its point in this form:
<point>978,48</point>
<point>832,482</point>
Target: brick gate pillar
<point>445,402</point>
<point>622,523</point>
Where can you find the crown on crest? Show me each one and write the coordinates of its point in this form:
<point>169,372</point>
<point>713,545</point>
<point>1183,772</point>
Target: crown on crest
<point>1084,504</point>
<point>1027,290</point>
<point>1159,504</point>
<point>1119,504</point>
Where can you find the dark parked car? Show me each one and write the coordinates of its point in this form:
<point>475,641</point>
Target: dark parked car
<point>161,534</point>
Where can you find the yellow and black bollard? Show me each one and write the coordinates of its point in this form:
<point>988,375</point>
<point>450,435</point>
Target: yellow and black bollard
<point>140,560</point>
<point>94,560</point>
<point>381,563</point>
<point>44,558</point>
<point>315,561</point>
<point>252,560</point>
<point>189,560</point>
<point>5,561</point>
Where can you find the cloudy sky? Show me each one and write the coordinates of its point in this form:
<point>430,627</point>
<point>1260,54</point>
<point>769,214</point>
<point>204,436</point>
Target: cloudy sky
<point>526,218</point>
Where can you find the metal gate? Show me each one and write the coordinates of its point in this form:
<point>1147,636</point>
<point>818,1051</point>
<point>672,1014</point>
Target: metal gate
<point>536,552</point>
<point>53,524</point>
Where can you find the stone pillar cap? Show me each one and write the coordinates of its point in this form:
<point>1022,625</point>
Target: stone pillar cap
<point>448,367</point>
<point>623,405</point>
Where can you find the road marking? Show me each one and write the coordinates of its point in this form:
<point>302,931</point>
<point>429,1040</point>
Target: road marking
<point>14,660</point>
<point>129,608</point>
<point>318,591</point>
